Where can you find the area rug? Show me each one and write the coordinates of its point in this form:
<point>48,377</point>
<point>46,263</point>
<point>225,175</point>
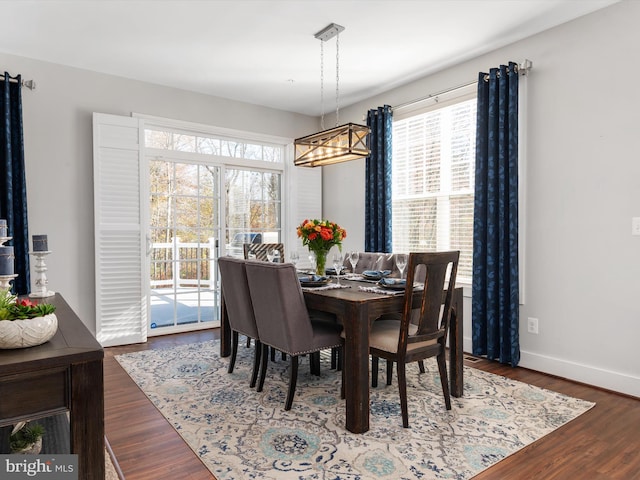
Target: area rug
<point>242,434</point>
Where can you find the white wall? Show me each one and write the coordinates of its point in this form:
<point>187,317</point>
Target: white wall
<point>59,162</point>
<point>582,189</point>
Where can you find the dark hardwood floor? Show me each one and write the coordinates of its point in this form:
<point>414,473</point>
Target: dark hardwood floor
<point>604,443</point>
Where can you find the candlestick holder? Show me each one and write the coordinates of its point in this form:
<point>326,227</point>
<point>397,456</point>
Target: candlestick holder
<point>5,280</point>
<point>40,290</point>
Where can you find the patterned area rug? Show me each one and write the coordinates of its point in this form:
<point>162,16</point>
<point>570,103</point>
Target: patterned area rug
<point>242,434</point>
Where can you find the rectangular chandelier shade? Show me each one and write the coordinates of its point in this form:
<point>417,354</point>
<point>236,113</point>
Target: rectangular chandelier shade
<point>338,144</point>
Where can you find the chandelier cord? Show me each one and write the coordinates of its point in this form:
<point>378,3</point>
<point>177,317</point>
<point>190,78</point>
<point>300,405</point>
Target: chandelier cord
<point>321,85</point>
<point>337,78</point>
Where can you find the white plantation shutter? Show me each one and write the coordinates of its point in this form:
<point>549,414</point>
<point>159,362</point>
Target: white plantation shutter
<point>433,180</point>
<point>305,188</point>
<point>121,304</point>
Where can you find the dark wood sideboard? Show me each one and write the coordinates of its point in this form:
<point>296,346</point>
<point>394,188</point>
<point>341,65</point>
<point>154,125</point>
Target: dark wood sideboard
<point>62,375</point>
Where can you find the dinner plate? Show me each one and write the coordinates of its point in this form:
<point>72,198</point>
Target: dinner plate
<point>375,275</point>
<point>313,280</point>
<point>314,283</point>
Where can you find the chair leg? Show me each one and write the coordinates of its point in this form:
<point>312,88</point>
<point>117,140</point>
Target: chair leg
<point>248,342</point>
<point>256,363</point>
<point>292,382</point>
<point>340,357</point>
<point>444,380</point>
<point>314,363</point>
<point>234,351</point>
<point>263,369</point>
<point>334,358</point>
<point>342,392</point>
<point>273,354</point>
<point>374,371</point>
<point>421,365</point>
<point>389,371</point>
<point>402,386</point>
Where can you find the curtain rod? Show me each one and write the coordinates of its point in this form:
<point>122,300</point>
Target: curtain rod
<point>523,69</point>
<point>431,95</point>
<point>30,84</point>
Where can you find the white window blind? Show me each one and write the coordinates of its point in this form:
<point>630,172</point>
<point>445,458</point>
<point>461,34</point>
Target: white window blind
<point>433,180</point>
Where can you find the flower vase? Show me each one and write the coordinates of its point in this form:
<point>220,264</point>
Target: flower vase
<point>321,261</point>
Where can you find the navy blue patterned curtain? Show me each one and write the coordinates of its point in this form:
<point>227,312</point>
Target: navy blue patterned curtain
<point>13,190</point>
<point>377,233</point>
<point>495,226</point>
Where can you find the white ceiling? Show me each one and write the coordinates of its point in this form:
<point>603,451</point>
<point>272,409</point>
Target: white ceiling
<point>264,51</point>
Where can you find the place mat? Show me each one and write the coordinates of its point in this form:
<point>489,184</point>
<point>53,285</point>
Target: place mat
<point>356,277</point>
<point>381,290</point>
<point>329,286</point>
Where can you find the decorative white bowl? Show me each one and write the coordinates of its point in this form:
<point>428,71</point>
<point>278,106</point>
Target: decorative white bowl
<point>27,333</point>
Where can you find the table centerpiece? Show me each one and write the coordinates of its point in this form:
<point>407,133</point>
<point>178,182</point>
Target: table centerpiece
<point>24,323</point>
<point>319,236</point>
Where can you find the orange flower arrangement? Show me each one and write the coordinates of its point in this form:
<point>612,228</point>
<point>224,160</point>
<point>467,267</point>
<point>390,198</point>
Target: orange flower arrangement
<point>321,235</point>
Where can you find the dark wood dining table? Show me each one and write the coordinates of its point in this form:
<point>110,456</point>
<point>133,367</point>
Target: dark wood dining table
<point>356,310</point>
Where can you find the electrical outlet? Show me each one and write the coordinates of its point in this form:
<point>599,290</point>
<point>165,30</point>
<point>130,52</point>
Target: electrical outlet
<point>532,325</point>
<point>635,226</point>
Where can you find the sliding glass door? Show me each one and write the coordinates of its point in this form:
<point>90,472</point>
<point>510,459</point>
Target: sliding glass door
<point>253,208</point>
<point>207,194</point>
<point>184,233</point>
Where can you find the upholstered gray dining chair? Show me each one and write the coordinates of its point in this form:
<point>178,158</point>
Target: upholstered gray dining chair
<point>283,320</point>
<point>372,261</point>
<point>237,300</point>
<point>258,251</point>
<point>416,337</point>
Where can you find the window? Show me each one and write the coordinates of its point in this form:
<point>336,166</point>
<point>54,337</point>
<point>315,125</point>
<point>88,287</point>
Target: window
<point>210,145</point>
<point>433,179</point>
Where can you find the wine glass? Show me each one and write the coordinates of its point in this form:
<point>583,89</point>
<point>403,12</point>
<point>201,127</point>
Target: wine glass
<point>312,259</point>
<point>337,264</point>
<point>294,257</point>
<point>378,265</point>
<point>354,256</point>
<point>401,263</point>
<point>271,254</point>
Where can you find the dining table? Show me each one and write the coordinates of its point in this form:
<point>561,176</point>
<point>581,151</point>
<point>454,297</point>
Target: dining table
<point>356,309</point>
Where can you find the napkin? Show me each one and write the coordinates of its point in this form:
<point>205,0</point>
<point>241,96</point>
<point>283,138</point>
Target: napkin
<point>311,278</point>
<point>392,281</point>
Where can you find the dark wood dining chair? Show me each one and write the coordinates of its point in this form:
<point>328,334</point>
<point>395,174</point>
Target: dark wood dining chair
<point>420,333</point>
<point>259,251</point>
<point>283,320</point>
<point>237,300</point>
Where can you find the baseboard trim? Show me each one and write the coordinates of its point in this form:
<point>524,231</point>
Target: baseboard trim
<point>587,374</point>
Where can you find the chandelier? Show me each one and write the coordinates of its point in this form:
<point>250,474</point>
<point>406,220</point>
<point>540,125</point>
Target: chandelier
<point>341,143</point>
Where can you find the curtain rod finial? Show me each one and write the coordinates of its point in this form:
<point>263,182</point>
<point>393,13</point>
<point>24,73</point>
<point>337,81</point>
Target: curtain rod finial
<point>525,66</point>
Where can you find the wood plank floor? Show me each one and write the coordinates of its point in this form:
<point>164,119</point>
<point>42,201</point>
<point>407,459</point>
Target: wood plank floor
<point>604,443</point>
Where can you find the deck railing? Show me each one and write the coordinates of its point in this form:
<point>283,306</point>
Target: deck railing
<point>183,265</point>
